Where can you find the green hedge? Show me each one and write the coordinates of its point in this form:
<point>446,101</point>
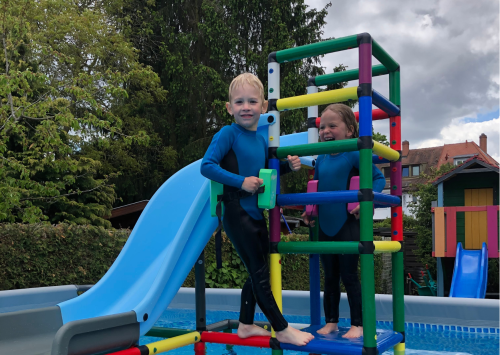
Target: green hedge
<point>37,255</point>
<point>295,268</point>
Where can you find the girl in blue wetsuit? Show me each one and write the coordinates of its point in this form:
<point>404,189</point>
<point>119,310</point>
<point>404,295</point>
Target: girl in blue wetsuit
<point>234,159</point>
<point>334,172</point>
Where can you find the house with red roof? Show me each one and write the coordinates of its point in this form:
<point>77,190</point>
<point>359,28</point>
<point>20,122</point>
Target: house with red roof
<point>418,161</point>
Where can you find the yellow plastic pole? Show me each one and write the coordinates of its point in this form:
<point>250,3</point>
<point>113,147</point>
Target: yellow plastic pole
<point>399,349</point>
<point>387,247</point>
<point>275,261</point>
<point>385,152</point>
<point>173,343</point>
<point>321,98</point>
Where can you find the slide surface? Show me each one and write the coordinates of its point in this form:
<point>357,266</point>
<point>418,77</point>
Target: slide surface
<point>161,250</point>
<point>165,243</point>
<point>470,275</point>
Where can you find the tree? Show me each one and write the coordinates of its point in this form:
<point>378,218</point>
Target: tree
<point>425,192</point>
<point>197,48</point>
<point>67,69</point>
<point>379,137</point>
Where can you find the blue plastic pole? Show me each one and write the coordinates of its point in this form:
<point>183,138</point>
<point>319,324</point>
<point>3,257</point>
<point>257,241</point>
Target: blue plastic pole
<point>317,198</point>
<point>387,200</point>
<point>384,104</point>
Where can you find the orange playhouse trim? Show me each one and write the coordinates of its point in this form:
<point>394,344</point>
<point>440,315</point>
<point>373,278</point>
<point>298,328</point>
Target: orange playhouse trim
<point>439,230</point>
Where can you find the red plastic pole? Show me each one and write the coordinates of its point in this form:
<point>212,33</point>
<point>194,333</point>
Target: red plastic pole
<point>397,224</point>
<point>396,180</point>
<point>131,351</point>
<point>377,114</point>
<point>199,348</point>
<point>234,339</point>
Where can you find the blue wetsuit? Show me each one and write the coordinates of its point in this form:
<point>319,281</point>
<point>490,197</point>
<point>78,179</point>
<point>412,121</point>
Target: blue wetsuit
<point>334,173</point>
<point>234,154</point>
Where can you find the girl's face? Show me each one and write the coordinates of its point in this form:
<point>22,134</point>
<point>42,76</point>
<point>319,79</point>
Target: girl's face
<point>332,127</point>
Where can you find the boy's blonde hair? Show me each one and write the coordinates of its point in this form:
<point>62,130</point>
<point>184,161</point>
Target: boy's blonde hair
<point>345,112</point>
<point>247,78</point>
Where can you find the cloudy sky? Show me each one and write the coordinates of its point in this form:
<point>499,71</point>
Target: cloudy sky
<point>449,56</point>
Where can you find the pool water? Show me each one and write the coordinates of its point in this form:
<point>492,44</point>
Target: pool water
<point>423,341</point>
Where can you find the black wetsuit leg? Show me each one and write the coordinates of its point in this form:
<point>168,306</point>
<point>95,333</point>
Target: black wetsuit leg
<point>345,267</point>
<point>250,238</point>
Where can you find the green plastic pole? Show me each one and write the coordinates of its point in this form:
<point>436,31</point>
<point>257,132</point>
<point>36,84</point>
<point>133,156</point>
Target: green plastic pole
<point>368,299</point>
<point>229,331</point>
<point>367,268</point>
<point>394,87</point>
<point>383,57</point>
<point>365,179</point>
<point>319,48</point>
<point>318,247</point>
<point>398,304</point>
<point>167,332</point>
<point>348,75</point>
<point>368,281</point>
<point>345,145</point>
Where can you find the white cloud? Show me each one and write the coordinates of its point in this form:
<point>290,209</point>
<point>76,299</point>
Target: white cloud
<point>458,131</point>
<point>449,56</point>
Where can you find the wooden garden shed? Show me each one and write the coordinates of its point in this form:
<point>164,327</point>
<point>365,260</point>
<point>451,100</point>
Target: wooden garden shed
<point>466,212</point>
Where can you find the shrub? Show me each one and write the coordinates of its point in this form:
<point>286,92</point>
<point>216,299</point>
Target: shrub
<point>38,255</point>
<point>294,268</point>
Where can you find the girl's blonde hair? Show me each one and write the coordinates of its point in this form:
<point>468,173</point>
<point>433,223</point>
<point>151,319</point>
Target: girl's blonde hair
<point>345,112</point>
<point>247,78</point>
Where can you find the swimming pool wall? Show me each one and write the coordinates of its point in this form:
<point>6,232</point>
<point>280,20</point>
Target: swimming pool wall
<point>462,314</point>
<point>420,311</point>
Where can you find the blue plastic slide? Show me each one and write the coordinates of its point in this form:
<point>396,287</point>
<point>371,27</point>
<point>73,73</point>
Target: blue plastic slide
<point>161,250</point>
<point>470,276</point>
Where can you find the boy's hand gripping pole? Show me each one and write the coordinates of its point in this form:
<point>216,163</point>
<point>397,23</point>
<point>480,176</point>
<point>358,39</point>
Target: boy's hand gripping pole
<point>266,199</point>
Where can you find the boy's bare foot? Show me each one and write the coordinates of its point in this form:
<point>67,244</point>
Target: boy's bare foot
<point>329,328</point>
<point>294,336</point>
<point>251,330</point>
<point>354,332</point>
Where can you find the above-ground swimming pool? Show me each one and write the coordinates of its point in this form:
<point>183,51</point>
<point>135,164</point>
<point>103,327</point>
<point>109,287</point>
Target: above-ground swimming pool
<point>425,339</point>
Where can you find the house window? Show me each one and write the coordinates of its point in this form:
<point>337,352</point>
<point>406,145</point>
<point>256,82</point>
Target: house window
<point>406,171</point>
<point>387,172</point>
<point>461,158</point>
<point>415,170</point>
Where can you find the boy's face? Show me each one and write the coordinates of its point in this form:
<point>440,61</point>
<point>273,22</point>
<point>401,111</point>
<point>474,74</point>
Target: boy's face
<point>332,127</point>
<point>246,106</point>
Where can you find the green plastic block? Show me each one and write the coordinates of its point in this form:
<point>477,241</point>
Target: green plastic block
<point>267,199</point>
<point>216,189</point>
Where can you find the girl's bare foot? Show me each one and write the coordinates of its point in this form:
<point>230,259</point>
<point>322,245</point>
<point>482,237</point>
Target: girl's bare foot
<point>251,330</point>
<point>294,336</point>
<point>329,328</point>
<point>354,332</point>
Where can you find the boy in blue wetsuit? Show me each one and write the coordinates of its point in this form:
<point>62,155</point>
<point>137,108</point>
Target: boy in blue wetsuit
<point>334,172</point>
<point>234,158</point>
